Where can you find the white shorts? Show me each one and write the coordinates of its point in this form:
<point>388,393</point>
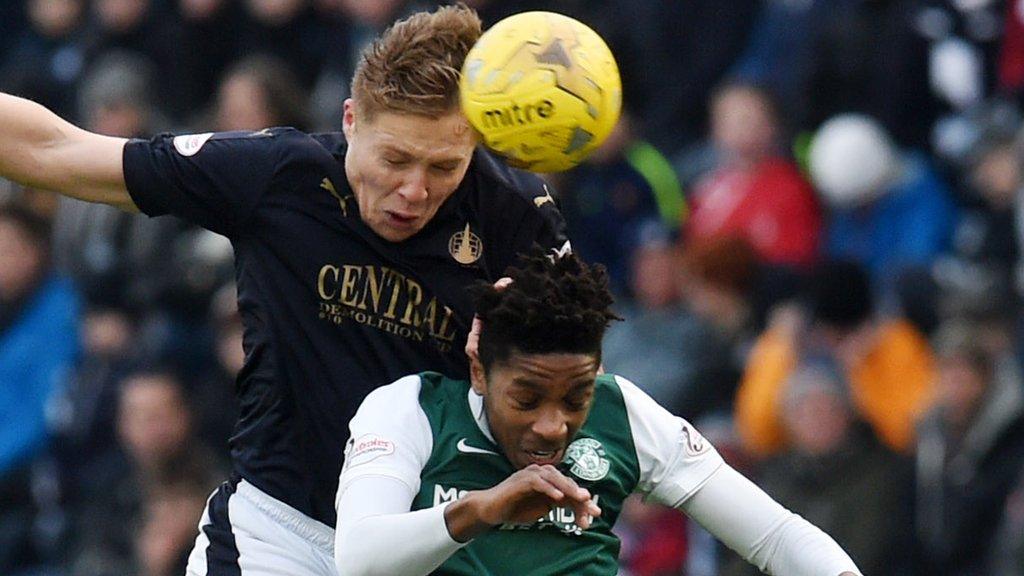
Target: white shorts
<point>245,532</point>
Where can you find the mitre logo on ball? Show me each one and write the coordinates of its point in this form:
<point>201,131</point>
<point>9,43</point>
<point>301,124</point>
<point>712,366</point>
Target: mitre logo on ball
<point>516,114</point>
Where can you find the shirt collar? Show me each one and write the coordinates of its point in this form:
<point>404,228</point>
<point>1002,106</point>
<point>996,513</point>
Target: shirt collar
<point>476,405</point>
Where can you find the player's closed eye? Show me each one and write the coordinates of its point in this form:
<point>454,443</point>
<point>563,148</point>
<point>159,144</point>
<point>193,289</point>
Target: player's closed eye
<point>577,404</point>
<point>524,404</point>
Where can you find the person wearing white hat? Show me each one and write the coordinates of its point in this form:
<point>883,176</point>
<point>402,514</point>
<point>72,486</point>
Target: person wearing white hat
<point>888,209</point>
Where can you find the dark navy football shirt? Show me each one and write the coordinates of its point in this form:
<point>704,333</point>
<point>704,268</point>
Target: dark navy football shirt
<point>332,311</point>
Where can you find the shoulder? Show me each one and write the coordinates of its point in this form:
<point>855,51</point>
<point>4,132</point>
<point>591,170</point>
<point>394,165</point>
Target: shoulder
<point>490,169</point>
<point>299,147</point>
<point>514,210</point>
<point>331,142</point>
<point>437,383</point>
<point>268,141</point>
<point>387,406</point>
<point>639,407</point>
<point>290,142</point>
<point>389,435</point>
<point>390,414</point>
<point>616,397</point>
<point>609,385</point>
<point>442,399</point>
<point>401,395</point>
<point>408,395</point>
<point>652,423</point>
<point>672,457</point>
<point>506,187</point>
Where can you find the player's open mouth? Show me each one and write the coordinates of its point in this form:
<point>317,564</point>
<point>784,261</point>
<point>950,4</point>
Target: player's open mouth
<point>544,457</point>
<point>399,219</point>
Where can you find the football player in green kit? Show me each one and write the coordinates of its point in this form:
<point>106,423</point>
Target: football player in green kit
<point>524,469</point>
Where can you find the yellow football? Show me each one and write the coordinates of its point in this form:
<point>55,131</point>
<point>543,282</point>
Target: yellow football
<point>542,89</point>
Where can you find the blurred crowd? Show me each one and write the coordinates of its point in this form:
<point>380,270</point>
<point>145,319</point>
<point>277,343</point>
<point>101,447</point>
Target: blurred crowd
<point>811,211</point>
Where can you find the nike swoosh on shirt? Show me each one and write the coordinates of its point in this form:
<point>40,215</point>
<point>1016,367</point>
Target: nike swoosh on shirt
<point>467,449</point>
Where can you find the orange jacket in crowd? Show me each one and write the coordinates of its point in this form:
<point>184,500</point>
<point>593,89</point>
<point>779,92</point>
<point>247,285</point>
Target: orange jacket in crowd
<point>890,387</point>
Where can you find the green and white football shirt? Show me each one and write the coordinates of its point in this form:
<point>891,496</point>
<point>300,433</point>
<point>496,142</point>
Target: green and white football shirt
<point>431,433</point>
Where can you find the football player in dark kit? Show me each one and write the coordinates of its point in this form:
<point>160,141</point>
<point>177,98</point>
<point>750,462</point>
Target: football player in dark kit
<point>352,255</point>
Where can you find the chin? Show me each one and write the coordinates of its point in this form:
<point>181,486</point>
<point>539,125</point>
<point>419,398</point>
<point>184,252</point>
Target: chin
<point>400,236</point>
<point>392,235</point>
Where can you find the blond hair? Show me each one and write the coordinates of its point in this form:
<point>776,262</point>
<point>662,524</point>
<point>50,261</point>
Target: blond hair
<point>414,66</point>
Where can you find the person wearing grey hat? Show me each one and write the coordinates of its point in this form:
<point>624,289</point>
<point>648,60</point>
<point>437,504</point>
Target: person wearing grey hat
<point>836,473</point>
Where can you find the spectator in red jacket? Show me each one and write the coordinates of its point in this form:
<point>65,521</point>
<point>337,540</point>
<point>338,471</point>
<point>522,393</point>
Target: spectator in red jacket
<point>755,191</point>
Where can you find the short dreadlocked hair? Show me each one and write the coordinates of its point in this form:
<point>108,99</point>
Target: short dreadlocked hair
<point>555,304</point>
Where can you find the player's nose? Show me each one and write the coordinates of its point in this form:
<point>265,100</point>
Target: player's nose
<point>552,426</point>
<point>415,188</point>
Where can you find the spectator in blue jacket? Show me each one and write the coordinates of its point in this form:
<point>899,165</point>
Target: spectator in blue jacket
<point>889,210</point>
<point>38,344</point>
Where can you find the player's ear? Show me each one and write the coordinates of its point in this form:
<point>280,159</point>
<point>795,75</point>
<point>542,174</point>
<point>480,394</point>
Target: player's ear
<point>348,117</point>
<point>477,376</point>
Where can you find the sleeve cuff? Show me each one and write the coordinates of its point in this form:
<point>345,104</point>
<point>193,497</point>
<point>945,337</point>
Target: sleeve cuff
<point>443,527</point>
<point>135,162</point>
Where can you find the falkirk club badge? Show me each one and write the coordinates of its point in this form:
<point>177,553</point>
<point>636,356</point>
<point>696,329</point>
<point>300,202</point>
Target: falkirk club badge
<point>465,247</point>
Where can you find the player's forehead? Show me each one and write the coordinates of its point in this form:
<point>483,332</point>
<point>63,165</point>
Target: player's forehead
<point>430,138</point>
<point>551,373</point>
<point>552,388</point>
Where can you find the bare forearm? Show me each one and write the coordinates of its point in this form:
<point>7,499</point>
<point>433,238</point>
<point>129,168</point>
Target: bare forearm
<point>464,520</point>
<point>41,150</point>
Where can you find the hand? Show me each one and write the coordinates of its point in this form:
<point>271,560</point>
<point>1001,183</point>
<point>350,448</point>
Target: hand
<point>521,498</point>
<point>473,339</point>
<point>531,492</point>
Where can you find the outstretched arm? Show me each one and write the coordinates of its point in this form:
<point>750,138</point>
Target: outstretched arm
<point>767,535</point>
<point>680,468</point>
<point>41,150</point>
